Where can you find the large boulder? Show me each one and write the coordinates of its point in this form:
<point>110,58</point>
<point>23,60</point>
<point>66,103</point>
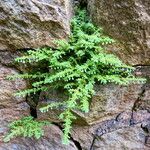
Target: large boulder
<point>32,24</point>
<point>129,23</point>
<point>129,138</point>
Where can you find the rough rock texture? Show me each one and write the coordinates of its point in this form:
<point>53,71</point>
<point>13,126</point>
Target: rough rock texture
<point>32,24</point>
<point>117,113</point>
<point>11,107</point>
<point>50,141</point>
<point>108,101</point>
<point>119,116</point>
<point>23,25</point>
<point>129,23</point>
<point>115,133</point>
<point>129,138</point>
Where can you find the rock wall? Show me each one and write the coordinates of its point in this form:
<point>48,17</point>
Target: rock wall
<point>129,23</point>
<point>117,113</point>
<point>32,24</point>
<point>119,116</point>
<point>23,25</point>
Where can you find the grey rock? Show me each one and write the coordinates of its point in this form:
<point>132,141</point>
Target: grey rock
<point>115,133</point>
<point>130,138</point>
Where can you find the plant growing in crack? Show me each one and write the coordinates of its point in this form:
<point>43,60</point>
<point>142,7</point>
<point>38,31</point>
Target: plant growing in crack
<point>75,65</point>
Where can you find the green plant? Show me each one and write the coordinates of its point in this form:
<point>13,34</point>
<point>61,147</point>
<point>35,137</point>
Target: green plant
<point>76,65</point>
<point>26,127</point>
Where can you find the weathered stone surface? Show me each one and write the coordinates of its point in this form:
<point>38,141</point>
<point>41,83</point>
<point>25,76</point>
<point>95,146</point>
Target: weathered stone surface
<point>11,107</point>
<point>83,135</point>
<point>117,113</point>
<point>115,133</point>
<point>111,100</point>
<point>50,141</point>
<point>108,101</point>
<point>46,98</point>
<point>130,138</point>
<point>129,23</point>
<point>32,24</point>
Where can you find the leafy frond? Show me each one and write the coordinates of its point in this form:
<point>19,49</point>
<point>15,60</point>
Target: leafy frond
<point>26,127</point>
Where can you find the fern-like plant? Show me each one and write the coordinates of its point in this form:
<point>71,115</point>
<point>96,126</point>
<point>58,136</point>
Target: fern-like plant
<point>26,127</point>
<point>76,65</point>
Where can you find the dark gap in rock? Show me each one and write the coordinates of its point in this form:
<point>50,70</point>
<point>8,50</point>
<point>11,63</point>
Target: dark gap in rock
<point>83,3</point>
<point>33,112</point>
<point>58,125</point>
<point>77,144</point>
<point>146,128</point>
<point>32,101</point>
<point>117,117</point>
<point>93,141</point>
<point>141,65</point>
<point>80,3</point>
<point>25,49</point>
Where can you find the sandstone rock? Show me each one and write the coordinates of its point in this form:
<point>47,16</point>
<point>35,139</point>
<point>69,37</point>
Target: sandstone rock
<point>50,141</point>
<point>111,100</point>
<point>143,102</point>
<point>129,23</point>
<point>32,24</point>
<point>11,107</point>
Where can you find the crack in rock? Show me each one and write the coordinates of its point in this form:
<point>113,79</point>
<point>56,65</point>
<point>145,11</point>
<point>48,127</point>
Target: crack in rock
<point>121,121</point>
<point>146,128</point>
<point>76,143</point>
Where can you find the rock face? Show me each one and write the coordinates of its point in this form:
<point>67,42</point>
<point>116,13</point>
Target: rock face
<point>116,133</point>
<point>11,107</point>
<point>116,114</point>
<point>119,116</point>
<point>32,24</point>
<point>129,23</point>
<point>23,25</point>
<point>108,101</point>
<point>129,138</point>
